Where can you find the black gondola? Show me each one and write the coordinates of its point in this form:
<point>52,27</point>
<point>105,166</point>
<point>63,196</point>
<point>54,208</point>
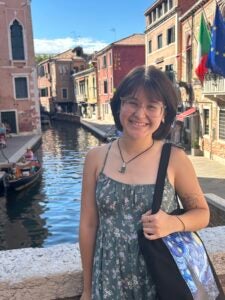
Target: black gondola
<point>23,176</point>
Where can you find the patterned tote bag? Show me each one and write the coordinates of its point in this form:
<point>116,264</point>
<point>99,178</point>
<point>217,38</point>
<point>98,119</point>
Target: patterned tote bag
<point>178,263</point>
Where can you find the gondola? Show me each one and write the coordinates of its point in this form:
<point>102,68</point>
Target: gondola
<point>23,175</point>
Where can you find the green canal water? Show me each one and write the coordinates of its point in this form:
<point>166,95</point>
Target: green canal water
<point>48,212</point>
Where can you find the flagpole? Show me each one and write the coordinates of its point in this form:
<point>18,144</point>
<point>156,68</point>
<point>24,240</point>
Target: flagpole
<point>207,21</point>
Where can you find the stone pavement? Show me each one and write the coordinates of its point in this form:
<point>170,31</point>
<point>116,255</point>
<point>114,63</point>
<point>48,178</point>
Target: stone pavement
<point>16,147</point>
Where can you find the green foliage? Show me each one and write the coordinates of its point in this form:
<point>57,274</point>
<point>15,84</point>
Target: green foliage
<point>40,57</point>
<point>195,144</point>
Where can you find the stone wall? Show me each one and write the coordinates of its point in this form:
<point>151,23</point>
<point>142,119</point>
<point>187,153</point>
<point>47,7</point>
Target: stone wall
<point>55,272</point>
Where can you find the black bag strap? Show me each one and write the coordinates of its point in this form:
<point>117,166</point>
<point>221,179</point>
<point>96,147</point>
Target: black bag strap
<point>160,181</point>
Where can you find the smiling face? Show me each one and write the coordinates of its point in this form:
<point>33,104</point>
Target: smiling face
<point>139,116</point>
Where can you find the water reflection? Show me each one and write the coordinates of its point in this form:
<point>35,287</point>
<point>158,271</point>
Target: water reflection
<point>48,212</point>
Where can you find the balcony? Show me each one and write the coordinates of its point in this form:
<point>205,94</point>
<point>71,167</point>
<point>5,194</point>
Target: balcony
<point>214,86</point>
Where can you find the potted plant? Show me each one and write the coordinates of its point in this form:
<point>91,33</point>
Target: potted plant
<point>195,148</point>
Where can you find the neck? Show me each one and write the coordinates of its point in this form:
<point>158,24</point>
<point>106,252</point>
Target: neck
<point>133,146</point>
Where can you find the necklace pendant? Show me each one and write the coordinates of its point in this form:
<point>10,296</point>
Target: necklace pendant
<point>122,170</point>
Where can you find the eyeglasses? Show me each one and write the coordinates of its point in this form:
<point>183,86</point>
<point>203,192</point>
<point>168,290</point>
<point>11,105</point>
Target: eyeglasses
<point>153,109</point>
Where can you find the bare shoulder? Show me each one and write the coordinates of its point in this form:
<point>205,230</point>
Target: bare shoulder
<point>95,157</point>
<point>179,157</point>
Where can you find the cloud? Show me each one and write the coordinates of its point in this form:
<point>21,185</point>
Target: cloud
<point>54,46</point>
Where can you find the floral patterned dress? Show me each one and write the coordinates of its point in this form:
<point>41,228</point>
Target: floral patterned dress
<point>119,271</point>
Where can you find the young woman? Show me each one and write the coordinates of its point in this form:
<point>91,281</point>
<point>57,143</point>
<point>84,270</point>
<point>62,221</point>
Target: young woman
<point>118,185</point>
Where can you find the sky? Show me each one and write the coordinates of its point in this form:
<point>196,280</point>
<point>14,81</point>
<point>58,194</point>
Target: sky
<point>59,25</point>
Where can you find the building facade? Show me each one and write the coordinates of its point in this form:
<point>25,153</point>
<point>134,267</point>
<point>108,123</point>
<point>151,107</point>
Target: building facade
<point>163,35</point>
<point>86,93</point>
<point>113,63</point>
<point>19,101</point>
<point>55,79</point>
<point>209,97</point>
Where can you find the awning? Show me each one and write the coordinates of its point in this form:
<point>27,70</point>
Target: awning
<point>185,114</point>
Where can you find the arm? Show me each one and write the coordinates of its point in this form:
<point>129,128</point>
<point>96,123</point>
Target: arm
<point>191,195</point>
<point>182,175</point>
<point>88,221</point>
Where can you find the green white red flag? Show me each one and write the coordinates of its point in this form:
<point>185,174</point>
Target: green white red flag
<point>204,41</point>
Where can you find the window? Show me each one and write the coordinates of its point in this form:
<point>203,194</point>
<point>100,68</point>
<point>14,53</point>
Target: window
<point>149,46</point>
<point>82,87</point>
<point>110,58</point>
<point>170,72</point>
<point>154,15</point>
<point>171,35</point>
<point>16,32</point>
<point>44,92</point>
<point>206,120</point>
<point>222,124</point>
<point>160,11</point>
<point>104,64</point>
<point>94,87</point>
<point>98,64</point>
<point>111,85</point>
<point>170,4</point>
<point>159,41</point>
<point>105,87</point>
<point>21,88</point>
<point>41,71</point>
<point>149,19</point>
<point>64,93</point>
<point>165,6</point>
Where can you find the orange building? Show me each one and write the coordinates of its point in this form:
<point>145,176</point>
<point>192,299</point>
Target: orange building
<point>19,101</point>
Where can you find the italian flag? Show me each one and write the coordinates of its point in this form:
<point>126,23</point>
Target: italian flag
<point>204,42</point>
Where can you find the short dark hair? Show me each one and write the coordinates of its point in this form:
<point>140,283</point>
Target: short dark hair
<point>157,86</point>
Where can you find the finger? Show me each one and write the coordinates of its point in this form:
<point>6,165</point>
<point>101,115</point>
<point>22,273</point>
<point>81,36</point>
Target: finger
<point>148,230</point>
<point>151,237</point>
<point>146,218</point>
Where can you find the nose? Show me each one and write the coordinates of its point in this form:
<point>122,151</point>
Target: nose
<point>141,110</point>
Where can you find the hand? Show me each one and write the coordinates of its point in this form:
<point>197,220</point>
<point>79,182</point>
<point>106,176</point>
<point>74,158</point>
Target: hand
<point>86,296</point>
<point>157,225</point>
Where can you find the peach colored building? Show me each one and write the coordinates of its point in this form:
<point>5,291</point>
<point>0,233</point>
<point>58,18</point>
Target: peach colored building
<point>162,35</point>
<point>55,79</point>
<point>209,127</point>
<point>113,63</point>
<point>19,101</point>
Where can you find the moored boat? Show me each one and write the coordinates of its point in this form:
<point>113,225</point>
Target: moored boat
<point>23,175</point>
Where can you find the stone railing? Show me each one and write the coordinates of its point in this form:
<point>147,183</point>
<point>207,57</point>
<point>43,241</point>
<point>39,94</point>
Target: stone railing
<point>55,272</point>
<point>213,85</point>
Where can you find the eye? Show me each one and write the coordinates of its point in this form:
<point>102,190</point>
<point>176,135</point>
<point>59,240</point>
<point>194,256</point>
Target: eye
<point>152,107</point>
<point>132,102</point>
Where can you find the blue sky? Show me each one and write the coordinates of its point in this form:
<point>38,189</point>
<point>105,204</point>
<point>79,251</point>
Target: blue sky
<point>59,25</point>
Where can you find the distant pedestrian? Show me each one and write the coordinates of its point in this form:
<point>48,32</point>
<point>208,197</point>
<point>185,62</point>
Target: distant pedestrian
<point>118,185</point>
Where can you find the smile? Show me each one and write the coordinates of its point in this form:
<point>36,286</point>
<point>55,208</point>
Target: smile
<point>139,124</point>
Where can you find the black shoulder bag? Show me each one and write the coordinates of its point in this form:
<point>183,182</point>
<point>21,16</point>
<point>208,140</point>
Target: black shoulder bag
<point>178,263</point>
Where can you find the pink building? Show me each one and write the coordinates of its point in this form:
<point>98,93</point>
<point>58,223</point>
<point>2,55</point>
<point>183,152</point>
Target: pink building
<point>113,63</point>
<point>19,102</point>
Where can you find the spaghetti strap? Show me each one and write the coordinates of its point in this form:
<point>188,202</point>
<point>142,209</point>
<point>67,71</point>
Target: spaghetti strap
<point>106,156</point>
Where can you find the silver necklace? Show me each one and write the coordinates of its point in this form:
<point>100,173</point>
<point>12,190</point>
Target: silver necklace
<point>125,163</point>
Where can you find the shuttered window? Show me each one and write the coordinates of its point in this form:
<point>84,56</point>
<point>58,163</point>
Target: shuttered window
<point>222,124</point>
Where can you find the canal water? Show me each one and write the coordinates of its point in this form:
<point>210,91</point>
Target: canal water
<point>48,213</point>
